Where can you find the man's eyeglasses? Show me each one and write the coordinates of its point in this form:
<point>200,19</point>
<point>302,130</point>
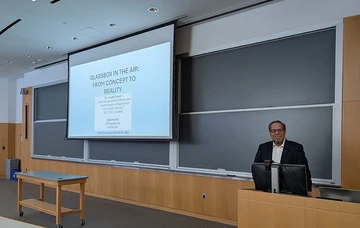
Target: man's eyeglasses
<point>273,131</point>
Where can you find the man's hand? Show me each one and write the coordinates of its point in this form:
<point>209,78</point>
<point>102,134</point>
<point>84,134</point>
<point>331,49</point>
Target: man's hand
<point>309,194</point>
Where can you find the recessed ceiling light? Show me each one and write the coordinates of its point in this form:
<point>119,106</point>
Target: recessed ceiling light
<point>153,10</point>
<point>9,62</point>
<point>33,62</point>
<point>74,38</point>
<point>48,47</point>
<point>28,56</point>
<point>40,60</point>
<point>112,25</point>
<point>33,0</point>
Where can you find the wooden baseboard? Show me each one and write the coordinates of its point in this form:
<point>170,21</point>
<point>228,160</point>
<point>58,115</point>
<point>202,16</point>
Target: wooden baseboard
<point>190,214</point>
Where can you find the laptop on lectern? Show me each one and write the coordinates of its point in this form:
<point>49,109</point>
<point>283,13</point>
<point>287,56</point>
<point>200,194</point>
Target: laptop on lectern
<point>342,194</point>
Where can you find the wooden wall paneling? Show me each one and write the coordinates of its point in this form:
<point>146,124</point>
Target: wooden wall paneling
<point>34,165</point>
<point>63,167</point>
<point>3,147</point>
<point>197,204</point>
<point>351,104</point>
<point>18,143</point>
<point>183,192</point>
<point>131,179</point>
<point>351,59</point>
<point>29,137</point>
<point>164,189</point>
<point>50,165</point>
<point>11,140</point>
<point>351,145</point>
<point>146,186</point>
<point>58,166</point>
<point>226,198</point>
<point>41,164</point>
<point>188,190</point>
<point>177,192</point>
<point>26,143</point>
<point>90,172</point>
<point>247,184</point>
<point>116,182</point>
<point>102,179</point>
<point>209,189</point>
<point>7,145</point>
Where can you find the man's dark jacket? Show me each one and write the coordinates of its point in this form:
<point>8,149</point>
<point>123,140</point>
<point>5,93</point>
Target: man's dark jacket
<point>293,153</point>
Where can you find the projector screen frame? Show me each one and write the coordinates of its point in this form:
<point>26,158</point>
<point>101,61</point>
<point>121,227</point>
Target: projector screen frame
<point>174,112</point>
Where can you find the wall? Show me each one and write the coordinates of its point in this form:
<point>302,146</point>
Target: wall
<point>7,121</point>
<point>46,75</point>
<point>18,100</point>
<point>4,100</point>
<point>8,100</point>
<point>13,121</point>
<point>18,118</point>
<point>12,93</point>
<point>262,22</point>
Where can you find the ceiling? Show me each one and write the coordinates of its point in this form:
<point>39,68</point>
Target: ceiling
<point>54,25</point>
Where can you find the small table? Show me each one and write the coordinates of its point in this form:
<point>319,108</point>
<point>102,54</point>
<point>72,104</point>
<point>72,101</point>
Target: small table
<point>52,179</point>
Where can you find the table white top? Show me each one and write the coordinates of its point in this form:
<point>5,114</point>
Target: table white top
<point>5,222</point>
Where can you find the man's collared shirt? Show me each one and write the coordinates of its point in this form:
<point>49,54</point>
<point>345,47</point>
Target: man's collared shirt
<point>277,152</point>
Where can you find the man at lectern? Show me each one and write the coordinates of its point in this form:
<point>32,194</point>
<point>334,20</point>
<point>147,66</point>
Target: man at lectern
<point>283,151</point>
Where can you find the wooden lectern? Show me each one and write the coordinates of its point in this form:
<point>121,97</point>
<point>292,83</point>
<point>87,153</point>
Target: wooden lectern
<point>258,209</point>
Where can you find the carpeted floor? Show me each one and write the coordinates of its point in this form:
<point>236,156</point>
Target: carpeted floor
<point>99,213</point>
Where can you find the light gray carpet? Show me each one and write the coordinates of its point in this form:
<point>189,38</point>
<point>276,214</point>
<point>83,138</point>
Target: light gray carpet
<point>99,213</point>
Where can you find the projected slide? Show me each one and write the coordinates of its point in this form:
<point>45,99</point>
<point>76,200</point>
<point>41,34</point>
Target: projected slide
<point>125,95</point>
